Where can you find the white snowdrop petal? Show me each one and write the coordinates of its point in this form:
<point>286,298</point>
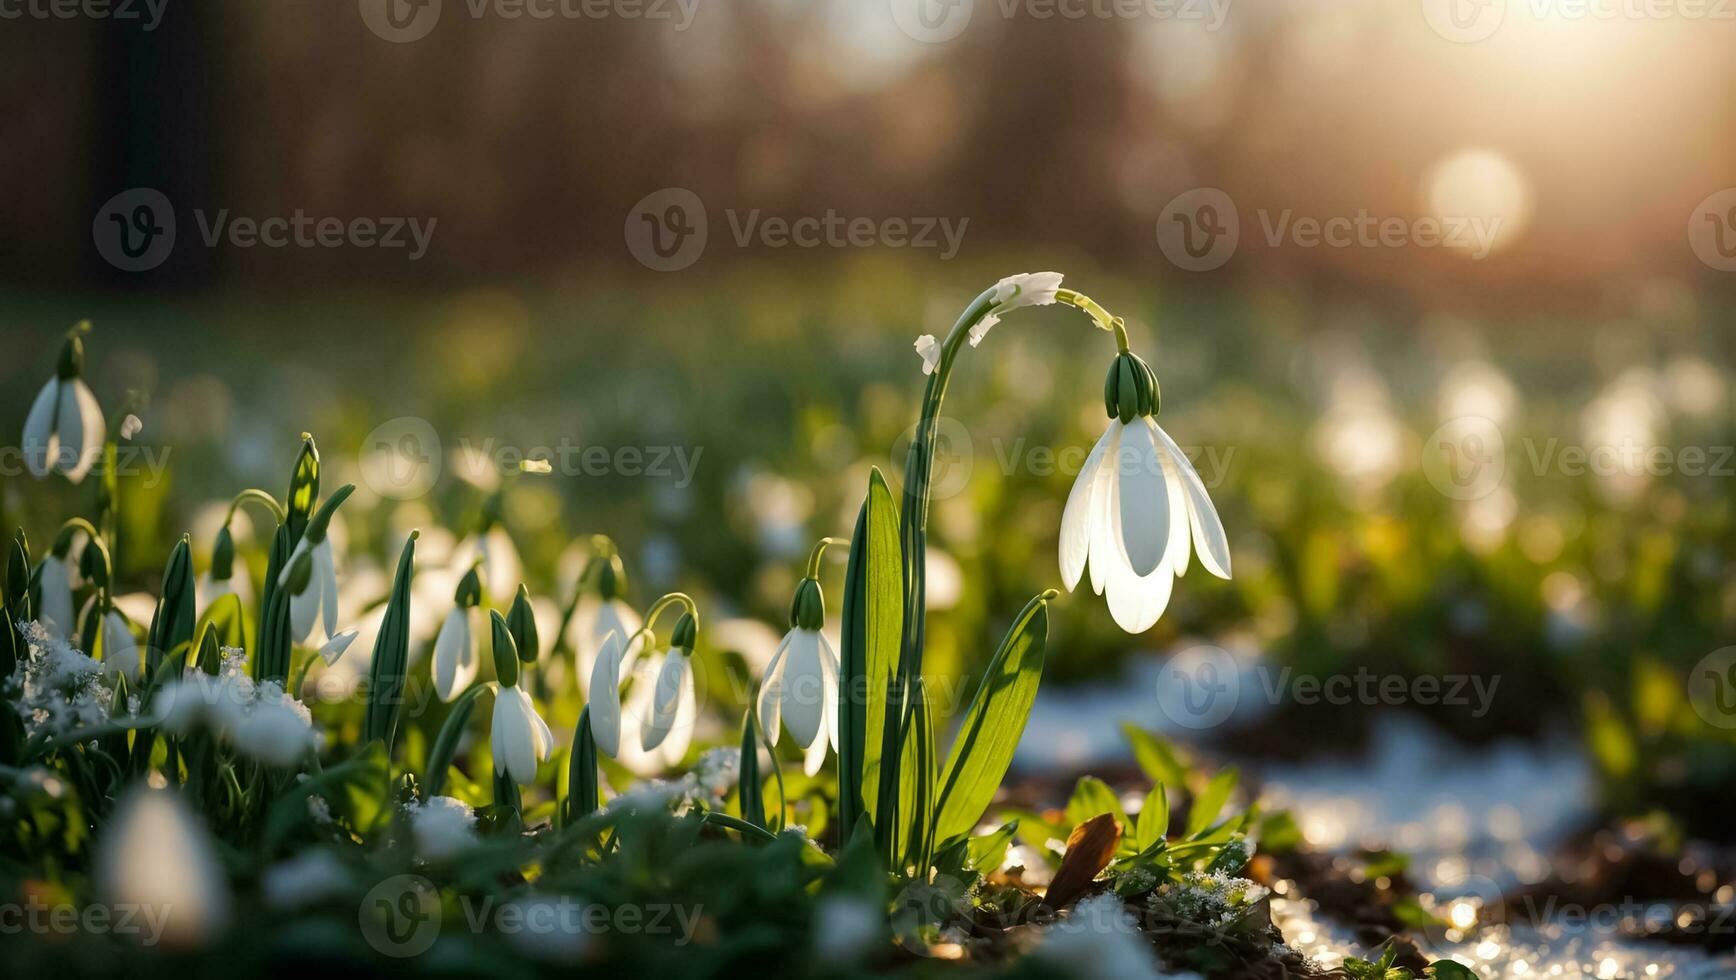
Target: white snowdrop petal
<point>326,577</point>
<point>681,731</point>
<point>1175,556</point>
<point>454,663</point>
<point>1137,602</point>
<point>605,700</point>
<point>81,428</point>
<point>55,611</point>
<point>665,701</point>
<point>1075,543</point>
<point>1105,521</point>
<point>771,688</point>
<point>829,676</point>
<point>41,443</point>
<point>1142,498</point>
<point>803,690</point>
<point>1209,538</point>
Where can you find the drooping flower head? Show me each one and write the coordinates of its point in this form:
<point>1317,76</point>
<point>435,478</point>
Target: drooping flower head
<point>599,609</point>
<point>519,737</point>
<point>669,722</point>
<point>319,599</point>
<point>455,661</point>
<point>1136,507</point>
<point>800,686</point>
<point>64,430</point>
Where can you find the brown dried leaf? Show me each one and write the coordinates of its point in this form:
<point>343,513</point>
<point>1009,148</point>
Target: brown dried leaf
<point>1090,847</point>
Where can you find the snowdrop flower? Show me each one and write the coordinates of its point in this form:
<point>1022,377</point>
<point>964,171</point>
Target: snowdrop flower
<point>800,687</point>
<point>519,736</point>
<point>929,350</point>
<point>1024,289</point>
<point>442,827</point>
<point>120,651</point>
<point>616,657</point>
<point>455,661</point>
<point>64,430</point>
<point>319,600</point>
<point>674,705</point>
<point>54,610</point>
<point>493,550</point>
<point>600,611</point>
<point>131,426</point>
<point>1129,516</point>
<point>157,856</point>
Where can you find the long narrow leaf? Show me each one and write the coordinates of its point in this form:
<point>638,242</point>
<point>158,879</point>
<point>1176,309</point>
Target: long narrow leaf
<point>582,796</point>
<point>749,793</point>
<point>984,747</point>
<point>872,619</point>
<point>446,743</point>
<point>391,654</point>
<point>1153,822</point>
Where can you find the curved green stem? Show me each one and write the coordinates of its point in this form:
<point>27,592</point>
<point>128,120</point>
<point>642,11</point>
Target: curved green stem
<point>257,496</point>
<point>919,464</point>
<point>670,599</point>
<point>819,552</point>
<point>64,536</point>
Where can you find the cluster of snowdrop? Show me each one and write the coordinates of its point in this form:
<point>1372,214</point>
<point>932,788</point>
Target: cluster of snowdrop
<point>58,689</point>
<point>259,718</point>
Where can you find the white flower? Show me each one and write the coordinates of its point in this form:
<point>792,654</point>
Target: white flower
<point>156,855</point>
<point>64,430</point>
<point>455,662</point>
<point>1128,520</point>
<point>615,658</point>
<point>320,599</point>
<point>800,689</point>
<point>120,652</point>
<point>520,737</point>
<point>441,826</point>
<point>594,618</point>
<point>1024,289</point>
<point>669,723</point>
<point>131,426</point>
<point>929,350</point>
<point>54,611</point>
